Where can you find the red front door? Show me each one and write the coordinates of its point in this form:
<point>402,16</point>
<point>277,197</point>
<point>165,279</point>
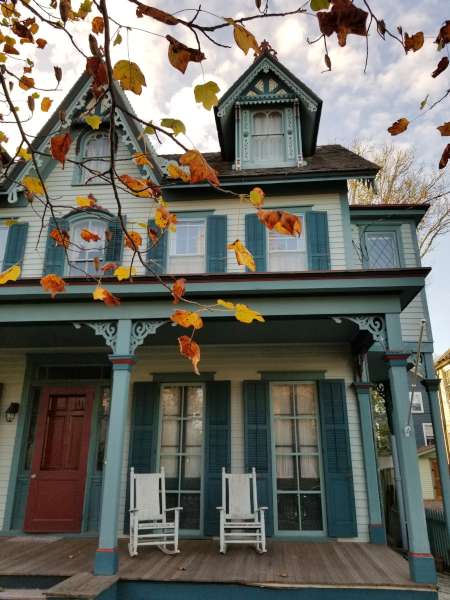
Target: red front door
<point>56,494</point>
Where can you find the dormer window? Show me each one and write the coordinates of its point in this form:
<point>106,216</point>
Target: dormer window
<point>268,144</point>
<point>96,157</point>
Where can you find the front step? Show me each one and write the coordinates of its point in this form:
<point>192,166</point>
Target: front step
<point>22,594</point>
<point>83,586</point>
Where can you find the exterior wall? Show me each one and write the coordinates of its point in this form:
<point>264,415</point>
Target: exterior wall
<point>12,372</point>
<point>426,478</point>
<point>443,373</point>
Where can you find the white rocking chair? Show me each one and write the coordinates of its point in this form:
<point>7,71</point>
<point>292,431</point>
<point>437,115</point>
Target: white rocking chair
<point>241,519</point>
<point>148,514</point>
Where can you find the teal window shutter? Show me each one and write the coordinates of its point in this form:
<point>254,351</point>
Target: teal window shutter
<point>337,461</point>
<point>217,450</point>
<point>216,244</point>
<point>157,255</point>
<point>114,247</point>
<point>258,452</point>
<point>256,240</point>
<point>15,245</point>
<point>143,433</point>
<point>318,243</point>
<point>55,256</point>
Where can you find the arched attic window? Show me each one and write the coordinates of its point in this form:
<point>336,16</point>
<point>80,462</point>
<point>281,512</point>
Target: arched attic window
<point>82,253</point>
<point>93,158</point>
<point>267,137</point>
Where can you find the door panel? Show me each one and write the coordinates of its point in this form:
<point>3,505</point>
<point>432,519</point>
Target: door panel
<point>56,493</point>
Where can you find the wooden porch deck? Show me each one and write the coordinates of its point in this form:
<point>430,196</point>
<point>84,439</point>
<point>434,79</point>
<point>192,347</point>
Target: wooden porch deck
<point>291,564</point>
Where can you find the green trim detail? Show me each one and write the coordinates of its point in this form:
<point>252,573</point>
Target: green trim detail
<point>183,377</point>
<point>365,228</point>
<point>292,375</point>
<point>346,229</point>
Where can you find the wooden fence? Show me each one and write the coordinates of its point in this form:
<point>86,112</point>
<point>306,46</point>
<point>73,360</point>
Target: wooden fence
<point>437,533</point>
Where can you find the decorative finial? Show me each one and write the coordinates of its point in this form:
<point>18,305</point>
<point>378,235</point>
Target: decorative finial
<point>266,48</point>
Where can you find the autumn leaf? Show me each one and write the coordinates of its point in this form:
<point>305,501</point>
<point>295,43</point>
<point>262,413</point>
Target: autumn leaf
<point>441,66</point>
<point>180,55</point>
<point>176,125</point>
<point>155,13</point>
<point>53,283</point>
<point>206,93</point>
<point>257,197</point>
<point>133,240</point>
<point>443,37</point>
<point>424,102</point>
<point>445,157</point>
<point>190,350</point>
<point>174,171</point>
<point>199,168</point>
<point>143,188</point>
<point>101,293</point>
<point>187,319</point>
<point>109,267</point>
<point>129,76</point>
<point>117,39</point>
<point>165,219</point>
<point>247,315</point>
<point>26,83</point>
<point>414,42</point>
<point>85,201</point>
<point>61,237</point>
<point>243,38</point>
<point>319,5</point>
<point>33,185</point>
<point>93,121</point>
<point>59,145</point>
<point>142,159</point>
<point>11,274</point>
<point>96,68</point>
<point>124,273</point>
<point>226,304</point>
<point>46,104</point>
<point>98,25</point>
<point>41,43</point>
<point>280,221</point>
<point>344,18</point>
<point>178,290</point>
<point>23,153</point>
<point>444,129</point>
<point>89,236</point>
<point>399,126</point>
<point>243,256</point>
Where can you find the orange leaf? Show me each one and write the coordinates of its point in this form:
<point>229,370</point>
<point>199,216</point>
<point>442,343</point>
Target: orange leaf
<point>414,42</point>
<point>165,219</point>
<point>59,145</point>
<point>199,168</point>
<point>174,171</point>
<point>185,318</point>
<point>281,221</point>
<point>45,104</point>
<point>445,128</point>
<point>41,43</point>
<point>190,350</point>
<point>144,188</point>
<point>178,289</point>
<point>96,68</point>
<point>142,159</point>
<point>445,157</point>
<point>243,256</point>
<point>443,37</point>
<point>53,283</point>
<point>109,267</point>
<point>101,293</point>
<point>155,13</point>
<point>135,241</point>
<point>441,66</point>
<point>399,126</point>
<point>89,236</point>
<point>26,83</point>
<point>61,237</point>
<point>343,18</point>
<point>180,55</point>
<point>98,25</point>
<point>257,197</point>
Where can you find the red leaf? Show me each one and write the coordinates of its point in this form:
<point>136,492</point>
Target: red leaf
<point>445,157</point>
<point>59,145</point>
<point>441,66</point>
<point>343,18</point>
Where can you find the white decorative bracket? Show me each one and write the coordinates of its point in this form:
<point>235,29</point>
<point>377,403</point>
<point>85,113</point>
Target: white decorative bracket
<point>374,324</point>
<point>108,330</point>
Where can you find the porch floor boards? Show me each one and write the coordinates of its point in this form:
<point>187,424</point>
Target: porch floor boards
<point>335,564</point>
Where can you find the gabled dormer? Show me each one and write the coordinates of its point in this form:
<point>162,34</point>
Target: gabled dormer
<point>268,118</point>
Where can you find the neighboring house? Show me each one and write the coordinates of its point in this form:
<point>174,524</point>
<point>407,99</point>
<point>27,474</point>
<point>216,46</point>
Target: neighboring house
<point>291,397</point>
<point>442,366</point>
<point>429,475</point>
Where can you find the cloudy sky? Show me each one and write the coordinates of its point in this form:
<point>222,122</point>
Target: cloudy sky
<point>357,105</point>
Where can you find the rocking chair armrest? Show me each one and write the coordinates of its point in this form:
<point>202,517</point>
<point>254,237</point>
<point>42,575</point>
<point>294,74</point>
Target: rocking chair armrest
<point>220,508</point>
<point>263,508</point>
<point>174,508</point>
<point>133,510</point>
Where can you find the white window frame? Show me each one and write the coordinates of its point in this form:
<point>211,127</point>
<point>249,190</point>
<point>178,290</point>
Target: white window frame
<point>417,397</point>
<point>426,436</point>
<point>171,245</point>
<point>302,247</point>
<point>98,164</point>
<point>4,232</point>
<point>282,134</point>
<point>83,223</point>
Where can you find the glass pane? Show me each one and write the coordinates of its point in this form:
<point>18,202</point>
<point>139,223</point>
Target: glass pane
<point>286,473</point>
<point>190,515</point>
<point>172,401</point>
<point>307,435</point>
<point>191,472</point>
<point>194,401</point>
<point>309,473</point>
<point>3,238</point>
<point>259,123</point>
<point>170,464</point>
<point>381,250</point>
<point>288,518</point>
<point>281,395</point>
<point>311,512</point>
<point>306,398</point>
<point>275,122</point>
<point>170,435</point>
<point>284,435</point>
<point>31,431</point>
<point>193,435</point>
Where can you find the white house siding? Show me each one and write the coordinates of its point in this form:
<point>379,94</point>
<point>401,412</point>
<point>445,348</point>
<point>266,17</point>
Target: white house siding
<point>239,363</point>
<point>426,478</point>
<point>12,371</point>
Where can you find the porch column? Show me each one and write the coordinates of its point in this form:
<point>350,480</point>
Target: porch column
<point>421,562</point>
<point>432,387</point>
<point>107,558</point>
<point>377,531</point>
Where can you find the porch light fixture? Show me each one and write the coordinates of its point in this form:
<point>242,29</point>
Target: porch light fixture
<point>11,412</point>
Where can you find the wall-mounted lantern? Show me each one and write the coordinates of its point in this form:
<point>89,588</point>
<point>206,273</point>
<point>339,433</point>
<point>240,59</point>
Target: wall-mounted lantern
<point>11,412</point>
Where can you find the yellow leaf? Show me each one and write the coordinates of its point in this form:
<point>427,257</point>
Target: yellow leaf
<point>9,222</point>
<point>11,274</point>
<point>2,57</point>
<point>257,197</point>
<point>45,104</point>
<point>84,201</point>
<point>174,171</point>
<point>93,121</point>
<point>176,125</point>
<point>124,272</point>
<point>226,304</point>
<point>187,319</point>
<point>207,94</point>
<point>117,40</point>
<point>247,315</point>
<point>243,256</point>
<point>33,185</point>
<point>243,38</point>
<point>23,153</point>
<point>129,75</point>
<point>142,159</point>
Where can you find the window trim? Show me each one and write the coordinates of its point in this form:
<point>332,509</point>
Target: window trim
<point>6,229</point>
<point>424,426</point>
<point>253,135</point>
<point>394,230</point>
<point>417,394</point>
<point>202,217</point>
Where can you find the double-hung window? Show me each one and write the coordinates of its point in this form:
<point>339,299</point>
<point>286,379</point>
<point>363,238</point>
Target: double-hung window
<point>381,250</point>
<point>187,247</point>
<point>96,157</point>
<point>267,137</point>
<point>82,253</point>
<point>428,434</point>
<point>287,252</point>
<point>417,402</point>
